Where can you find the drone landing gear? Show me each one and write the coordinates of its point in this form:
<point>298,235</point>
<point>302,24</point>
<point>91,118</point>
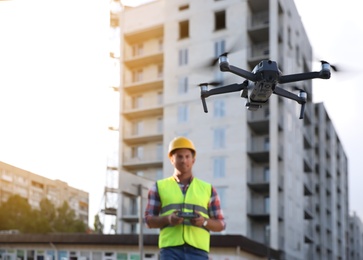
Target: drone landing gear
<point>302,96</point>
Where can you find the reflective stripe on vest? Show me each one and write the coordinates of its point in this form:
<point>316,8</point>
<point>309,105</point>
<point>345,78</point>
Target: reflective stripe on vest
<point>196,198</point>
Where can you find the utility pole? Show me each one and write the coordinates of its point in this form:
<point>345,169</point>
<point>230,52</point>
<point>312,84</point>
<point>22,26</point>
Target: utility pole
<point>141,224</point>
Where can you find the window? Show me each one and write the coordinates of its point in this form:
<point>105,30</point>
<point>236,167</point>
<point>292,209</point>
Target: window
<point>219,108</point>
<point>137,152</point>
<point>160,71</point>
<point>183,57</point>
<point>219,167</point>
<point>183,85</point>
<point>159,174</point>
<point>133,206</point>
<point>159,152</point>
<point>183,7</point>
<point>218,76</point>
<point>137,75</point>
<point>266,174</point>
<point>219,47</point>
<point>159,98</point>
<point>159,125</point>
<point>219,138</point>
<point>140,173</point>
<point>219,20</point>
<point>183,29</point>
<point>137,127</point>
<point>266,144</point>
<point>161,44</point>
<point>136,102</point>
<point>267,234</point>
<point>182,113</point>
<point>298,56</point>
<point>266,200</point>
<point>137,49</point>
<point>221,191</point>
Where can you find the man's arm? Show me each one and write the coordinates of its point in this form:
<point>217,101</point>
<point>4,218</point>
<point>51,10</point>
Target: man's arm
<point>162,221</point>
<point>215,225</point>
<point>216,221</point>
<point>152,218</point>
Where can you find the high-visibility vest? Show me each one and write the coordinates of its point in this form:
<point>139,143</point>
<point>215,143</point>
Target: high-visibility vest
<point>197,198</point>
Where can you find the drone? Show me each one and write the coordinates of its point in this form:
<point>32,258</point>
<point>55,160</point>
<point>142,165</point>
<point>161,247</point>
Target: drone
<point>262,82</point>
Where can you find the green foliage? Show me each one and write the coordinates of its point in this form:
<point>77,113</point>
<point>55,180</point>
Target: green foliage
<point>98,226</point>
<point>16,213</point>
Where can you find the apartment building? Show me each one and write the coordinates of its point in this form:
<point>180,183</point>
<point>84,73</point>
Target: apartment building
<point>330,191</point>
<point>355,237</point>
<point>268,166</point>
<point>34,188</point>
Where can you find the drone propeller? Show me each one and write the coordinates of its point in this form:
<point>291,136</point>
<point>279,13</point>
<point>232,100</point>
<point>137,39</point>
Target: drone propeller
<point>215,60</point>
<point>212,83</point>
<point>234,48</point>
<point>299,89</point>
<point>334,67</point>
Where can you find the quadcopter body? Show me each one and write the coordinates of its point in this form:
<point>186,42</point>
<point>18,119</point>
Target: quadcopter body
<point>262,82</point>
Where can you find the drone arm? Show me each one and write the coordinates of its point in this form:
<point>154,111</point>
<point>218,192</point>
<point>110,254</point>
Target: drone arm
<point>304,76</point>
<point>301,99</point>
<point>226,89</point>
<point>284,93</point>
<point>239,72</point>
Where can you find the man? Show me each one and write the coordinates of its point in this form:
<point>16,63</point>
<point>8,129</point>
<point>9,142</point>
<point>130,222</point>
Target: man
<point>183,237</point>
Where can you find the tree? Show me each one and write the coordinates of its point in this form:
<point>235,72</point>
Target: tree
<point>66,220</point>
<point>98,225</point>
<point>45,216</point>
<point>16,213</point>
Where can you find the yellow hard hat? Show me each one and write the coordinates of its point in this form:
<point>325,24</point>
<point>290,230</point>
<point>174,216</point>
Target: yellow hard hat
<point>181,142</point>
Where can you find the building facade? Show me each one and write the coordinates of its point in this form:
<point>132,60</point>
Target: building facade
<point>118,247</point>
<point>355,237</point>
<point>330,209</point>
<point>268,166</point>
<point>34,188</point>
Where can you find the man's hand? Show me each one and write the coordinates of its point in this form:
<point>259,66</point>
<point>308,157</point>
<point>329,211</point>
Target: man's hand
<point>197,221</point>
<point>174,219</point>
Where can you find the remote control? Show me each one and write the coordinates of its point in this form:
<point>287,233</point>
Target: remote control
<point>188,215</point>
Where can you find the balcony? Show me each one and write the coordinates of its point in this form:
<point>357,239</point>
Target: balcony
<point>258,5</point>
<point>308,211</point>
<point>308,190</point>
<point>258,27</point>
<point>114,20</point>
<point>149,157</point>
<point>150,136</point>
<point>259,215</point>
<point>150,107</point>
<point>308,139</point>
<point>258,149</point>
<point>259,120</point>
<point>144,35</point>
<point>153,83</point>
<point>155,57</point>
<point>258,52</point>
<point>308,232</point>
<point>259,186</point>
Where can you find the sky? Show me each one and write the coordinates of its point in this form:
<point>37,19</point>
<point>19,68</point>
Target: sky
<point>56,103</point>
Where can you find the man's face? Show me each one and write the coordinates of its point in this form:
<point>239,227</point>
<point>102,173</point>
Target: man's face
<point>183,160</point>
